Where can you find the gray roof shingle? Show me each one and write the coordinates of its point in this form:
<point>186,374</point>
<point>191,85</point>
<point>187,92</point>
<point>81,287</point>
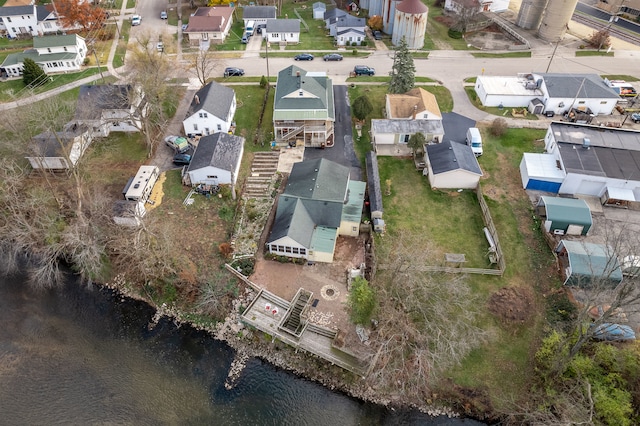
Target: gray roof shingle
<point>578,86</point>
<point>220,150</point>
<point>318,179</point>
<point>259,12</point>
<point>447,156</point>
<point>283,26</point>
<point>213,98</point>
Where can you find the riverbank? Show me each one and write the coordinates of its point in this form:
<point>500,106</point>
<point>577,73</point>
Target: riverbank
<point>248,344</point>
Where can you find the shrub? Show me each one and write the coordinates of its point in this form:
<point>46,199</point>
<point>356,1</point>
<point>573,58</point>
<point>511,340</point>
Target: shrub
<point>361,301</point>
<point>263,82</point>
<point>498,127</point>
<point>354,52</point>
<point>455,34</point>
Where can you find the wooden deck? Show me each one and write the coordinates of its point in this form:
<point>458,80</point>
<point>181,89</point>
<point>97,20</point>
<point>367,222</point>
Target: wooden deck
<point>267,313</point>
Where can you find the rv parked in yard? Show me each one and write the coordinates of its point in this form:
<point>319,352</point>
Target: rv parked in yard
<point>474,140</point>
<point>249,28</point>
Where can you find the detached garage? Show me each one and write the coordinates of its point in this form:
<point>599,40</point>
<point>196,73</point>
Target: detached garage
<point>541,172</point>
<point>452,165</point>
<point>568,216</point>
<point>587,265</point>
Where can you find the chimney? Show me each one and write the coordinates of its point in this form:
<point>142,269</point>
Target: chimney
<point>415,111</point>
<point>197,99</point>
<point>586,143</point>
<point>297,73</point>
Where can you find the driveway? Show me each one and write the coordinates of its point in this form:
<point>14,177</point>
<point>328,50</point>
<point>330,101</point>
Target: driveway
<point>455,126</point>
<point>342,151</point>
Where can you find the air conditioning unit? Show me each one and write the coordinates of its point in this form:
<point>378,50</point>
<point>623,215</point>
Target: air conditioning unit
<point>558,232</point>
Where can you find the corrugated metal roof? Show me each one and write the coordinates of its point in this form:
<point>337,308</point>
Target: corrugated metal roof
<point>373,181</point>
<point>591,261</point>
<point>567,210</point>
<point>352,210</point>
<point>324,239</point>
<point>56,41</point>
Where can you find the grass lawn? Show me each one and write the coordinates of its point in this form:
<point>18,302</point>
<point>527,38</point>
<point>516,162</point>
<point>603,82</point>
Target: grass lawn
<point>317,38</point>
<point>594,53</point>
<point>621,77</point>
<point>11,89</point>
<point>502,55</point>
<point>498,112</point>
<point>318,55</point>
<point>440,32</point>
<point>14,44</point>
<point>250,101</point>
<point>121,49</point>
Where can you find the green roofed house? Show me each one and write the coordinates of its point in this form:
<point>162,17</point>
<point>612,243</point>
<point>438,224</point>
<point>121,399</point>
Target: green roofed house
<point>588,265</point>
<point>319,204</point>
<point>303,110</point>
<point>60,53</point>
<point>568,216</point>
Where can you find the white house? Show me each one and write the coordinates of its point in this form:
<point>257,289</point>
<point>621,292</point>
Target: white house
<point>283,31</point>
<point>478,5</point>
<point>216,160</point>
<point>348,30</point>
<point>54,54</point>
<point>209,25</point>
<point>109,108</point>
<point>557,93</point>
<point>28,20</point>
<point>331,17</point>
<point>452,165</point>
<point>595,161</point>
<point>416,104</point>
<point>211,110</point>
<point>390,137</point>
<point>258,14</point>
<point>57,151</point>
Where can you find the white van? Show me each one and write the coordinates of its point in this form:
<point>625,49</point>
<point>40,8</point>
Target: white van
<point>249,28</point>
<point>474,140</point>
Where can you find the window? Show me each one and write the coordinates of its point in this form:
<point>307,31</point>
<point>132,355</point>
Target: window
<point>9,20</point>
<point>30,28</point>
<point>206,130</point>
<point>403,138</point>
<point>47,24</point>
<point>49,49</point>
<point>603,102</point>
<point>425,116</point>
<point>219,127</point>
<point>203,115</point>
<point>287,249</point>
<point>354,228</point>
<point>195,126</point>
<point>582,102</point>
<point>65,48</point>
<point>205,36</point>
<point>212,177</point>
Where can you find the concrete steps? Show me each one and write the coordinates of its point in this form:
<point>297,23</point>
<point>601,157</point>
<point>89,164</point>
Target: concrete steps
<point>263,167</point>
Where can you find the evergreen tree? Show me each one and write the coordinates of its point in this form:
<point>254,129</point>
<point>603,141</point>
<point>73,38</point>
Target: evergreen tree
<point>32,72</point>
<point>403,70</point>
<point>416,142</point>
<point>362,107</point>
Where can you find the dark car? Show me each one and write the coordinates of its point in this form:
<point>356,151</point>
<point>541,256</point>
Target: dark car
<point>363,70</point>
<point>332,57</point>
<point>304,57</point>
<point>377,35</point>
<point>232,71</point>
<point>181,159</point>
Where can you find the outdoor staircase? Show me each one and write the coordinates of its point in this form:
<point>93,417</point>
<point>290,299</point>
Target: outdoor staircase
<point>264,166</point>
<point>292,134</point>
<point>292,322</point>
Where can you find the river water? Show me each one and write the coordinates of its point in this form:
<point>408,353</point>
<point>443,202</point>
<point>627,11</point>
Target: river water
<point>85,356</point>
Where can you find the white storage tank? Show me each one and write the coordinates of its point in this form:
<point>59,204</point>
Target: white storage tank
<point>411,23</point>
<point>388,15</point>
<point>555,19</point>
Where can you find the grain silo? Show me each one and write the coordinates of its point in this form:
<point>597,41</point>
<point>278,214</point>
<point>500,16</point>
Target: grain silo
<point>388,15</point>
<point>555,19</point>
<point>375,7</point>
<point>410,21</point>
<point>530,14</point>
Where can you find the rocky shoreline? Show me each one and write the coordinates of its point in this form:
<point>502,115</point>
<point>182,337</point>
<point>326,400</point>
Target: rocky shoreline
<point>248,344</point>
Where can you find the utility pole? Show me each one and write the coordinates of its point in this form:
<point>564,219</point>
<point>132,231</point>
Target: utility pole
<point>95,55</point>
<point>552,55</point>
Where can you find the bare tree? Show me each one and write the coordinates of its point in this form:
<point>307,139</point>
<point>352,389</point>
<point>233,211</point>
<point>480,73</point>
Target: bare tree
<point>203,64</point>
<point>427,321</point>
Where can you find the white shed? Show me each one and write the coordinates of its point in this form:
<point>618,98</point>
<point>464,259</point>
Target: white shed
<point>319,9</point>
<point>452,165</point>
<point>216,160</point>
<point>541,172</point>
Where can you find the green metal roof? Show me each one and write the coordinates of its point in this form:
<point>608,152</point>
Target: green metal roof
<point>591,261</point>
<point>303,96</point>
<point>352,210</point>
<point>324,239</point>
<point>567,210</point>
<point>55,41</point>
<point>16,58</point>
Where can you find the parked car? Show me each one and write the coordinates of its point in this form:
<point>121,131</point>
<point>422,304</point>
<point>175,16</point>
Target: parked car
<point>181,159</point>
<point>163,14</point>
<point>136,20</point>
<point>177,143</point>
<point>245,39</point>
<point>616,332</point>
<point>363,70</point>
<point>232,71</point>
<point>332,57</point>
<point>184,27</point>
<point>377,35</point>
<point>160,46</point>
<point>303,57</point>
<point>635,117</point>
